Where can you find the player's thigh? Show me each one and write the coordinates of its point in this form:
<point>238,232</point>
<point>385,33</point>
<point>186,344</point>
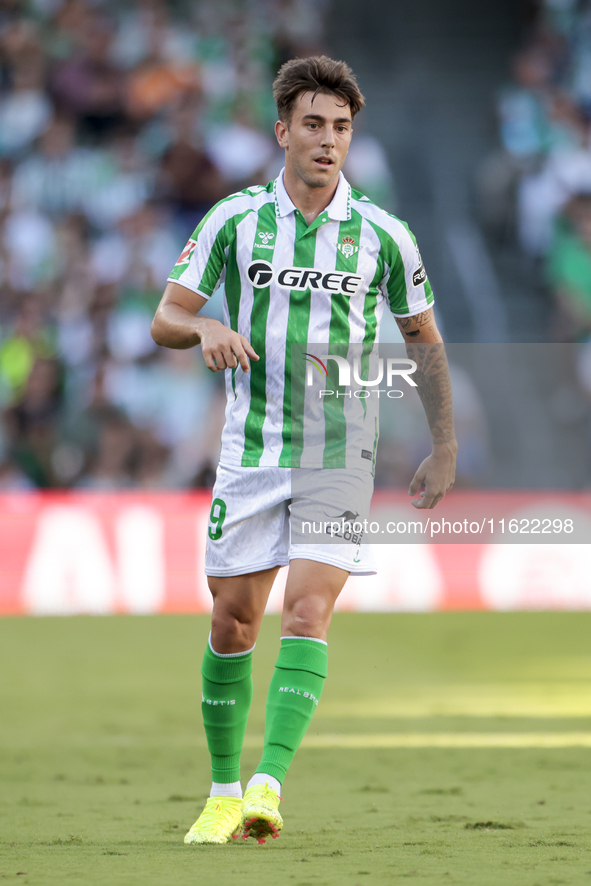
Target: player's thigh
<point>242,597</point>
<point>249,522</point>
<point>239,603</point>
<point>311,592</point>
<point>329,518</point>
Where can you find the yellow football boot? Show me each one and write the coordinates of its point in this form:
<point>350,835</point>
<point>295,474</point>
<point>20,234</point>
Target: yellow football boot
<point>260,813</point>
<point>220,820</point>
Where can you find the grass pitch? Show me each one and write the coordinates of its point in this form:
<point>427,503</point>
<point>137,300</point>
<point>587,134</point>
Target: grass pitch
<point>447,748</point>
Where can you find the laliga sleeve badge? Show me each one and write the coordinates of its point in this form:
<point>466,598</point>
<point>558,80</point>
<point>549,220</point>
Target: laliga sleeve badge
<point>185,256</point>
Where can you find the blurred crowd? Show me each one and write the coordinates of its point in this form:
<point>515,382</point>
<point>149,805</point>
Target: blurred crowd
<point>537,186</point>
<point>121,123</point>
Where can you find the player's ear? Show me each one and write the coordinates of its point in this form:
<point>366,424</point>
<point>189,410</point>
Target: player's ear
<point>281,129</point>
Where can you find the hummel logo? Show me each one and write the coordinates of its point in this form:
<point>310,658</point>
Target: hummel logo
<point>265,236</point>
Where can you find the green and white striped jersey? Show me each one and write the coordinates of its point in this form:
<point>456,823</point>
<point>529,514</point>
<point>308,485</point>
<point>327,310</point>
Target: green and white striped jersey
<point>286,283</point>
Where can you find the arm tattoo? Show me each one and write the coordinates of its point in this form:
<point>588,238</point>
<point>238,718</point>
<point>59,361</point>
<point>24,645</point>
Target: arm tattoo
<point>411,326</point>
<point>434,388</point>
<point>424,318</point>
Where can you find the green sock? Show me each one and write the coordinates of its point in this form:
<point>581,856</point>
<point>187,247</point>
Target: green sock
<point>227,694</point>
<point>294,693</point>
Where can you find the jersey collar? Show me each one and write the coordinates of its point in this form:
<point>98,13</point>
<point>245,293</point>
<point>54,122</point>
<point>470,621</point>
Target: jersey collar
<point>339,209</point>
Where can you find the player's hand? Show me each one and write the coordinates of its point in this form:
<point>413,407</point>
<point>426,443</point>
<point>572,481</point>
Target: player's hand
<point>437,473</point>
<point>223,348</point>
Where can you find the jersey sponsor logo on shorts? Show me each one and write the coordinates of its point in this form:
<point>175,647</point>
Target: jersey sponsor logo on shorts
<point>261,274</point>
<point>346,526</point>
<point>187,252</point>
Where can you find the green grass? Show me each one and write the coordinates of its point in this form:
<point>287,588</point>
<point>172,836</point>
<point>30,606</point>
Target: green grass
<point>103,765</point>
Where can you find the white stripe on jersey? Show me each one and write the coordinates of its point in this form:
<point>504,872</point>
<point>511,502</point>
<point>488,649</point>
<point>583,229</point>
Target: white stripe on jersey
<point>275,344</point>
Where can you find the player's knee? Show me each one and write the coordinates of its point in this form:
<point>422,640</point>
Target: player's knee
<point>309,617</point>
<point>232,632</point>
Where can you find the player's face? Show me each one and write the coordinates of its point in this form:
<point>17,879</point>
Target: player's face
<point>317,138</point>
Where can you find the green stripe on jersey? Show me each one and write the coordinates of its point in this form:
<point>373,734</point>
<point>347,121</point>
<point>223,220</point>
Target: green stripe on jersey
<point>233,292</point>
<point>253,426</point>
<point>217,259</point>
<point>371,323</point>
<point>335,423</point>
<point>298,321</point>
<point>396,285</point>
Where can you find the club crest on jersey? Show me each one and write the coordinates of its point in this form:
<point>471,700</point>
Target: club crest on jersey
<point>347,247</point>
<point>187,252</point>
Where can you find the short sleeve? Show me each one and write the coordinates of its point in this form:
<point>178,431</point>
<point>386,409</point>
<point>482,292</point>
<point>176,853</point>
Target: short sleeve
<point>405,283</point>
<point>202,263</point>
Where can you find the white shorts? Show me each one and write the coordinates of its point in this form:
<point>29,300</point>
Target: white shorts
<point>252,511</point>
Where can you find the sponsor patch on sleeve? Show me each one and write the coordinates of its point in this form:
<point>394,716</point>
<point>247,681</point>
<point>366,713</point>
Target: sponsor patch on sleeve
<point>419,276</point>
<point>185,256</point>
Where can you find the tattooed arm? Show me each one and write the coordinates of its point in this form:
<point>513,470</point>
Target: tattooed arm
<point>425,346</point>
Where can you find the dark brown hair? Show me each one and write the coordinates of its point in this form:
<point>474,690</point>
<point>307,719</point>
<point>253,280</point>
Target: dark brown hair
<point>315,74</point>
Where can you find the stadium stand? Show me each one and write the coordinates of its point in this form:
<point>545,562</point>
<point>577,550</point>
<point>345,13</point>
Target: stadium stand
<point>120,126</point>
<point>535,187</point>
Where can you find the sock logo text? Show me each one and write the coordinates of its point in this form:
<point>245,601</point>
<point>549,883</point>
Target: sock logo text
<point>297,692</point>
<point>215,701</point>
